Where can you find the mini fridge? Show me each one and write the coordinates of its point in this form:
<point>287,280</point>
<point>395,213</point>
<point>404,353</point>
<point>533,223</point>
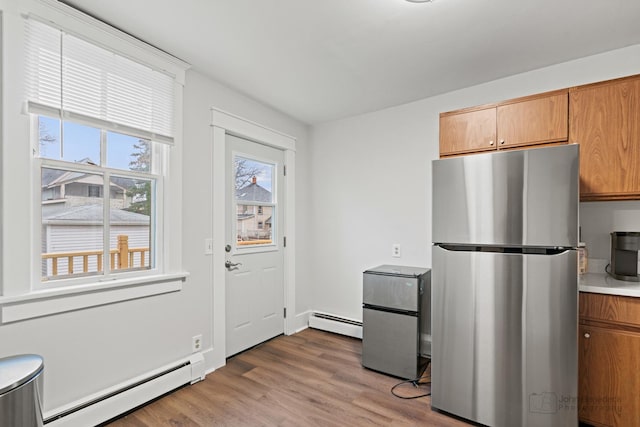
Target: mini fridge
<point>396,320</point>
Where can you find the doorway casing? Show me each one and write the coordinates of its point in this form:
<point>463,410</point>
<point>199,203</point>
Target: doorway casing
<point>223,124</point>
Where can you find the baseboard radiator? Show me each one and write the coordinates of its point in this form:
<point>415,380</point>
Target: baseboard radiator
<point>336,324</point>
<point>110,403</point>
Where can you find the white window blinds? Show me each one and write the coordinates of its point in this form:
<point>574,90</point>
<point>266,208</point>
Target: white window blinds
<point>73,79</point>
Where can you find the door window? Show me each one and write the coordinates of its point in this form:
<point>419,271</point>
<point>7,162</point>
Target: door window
<point>255,205</point>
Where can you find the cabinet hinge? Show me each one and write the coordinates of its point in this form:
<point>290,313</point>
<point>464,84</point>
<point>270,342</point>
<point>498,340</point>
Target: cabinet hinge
<point>285,312</point>
<point>284,170</point>
<point>284,241</point>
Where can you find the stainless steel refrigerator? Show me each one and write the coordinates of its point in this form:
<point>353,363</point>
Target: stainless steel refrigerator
<point>504,287</point>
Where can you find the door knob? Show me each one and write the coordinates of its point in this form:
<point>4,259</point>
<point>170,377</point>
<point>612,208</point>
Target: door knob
<point>230,264</point>
<point>502,141</point>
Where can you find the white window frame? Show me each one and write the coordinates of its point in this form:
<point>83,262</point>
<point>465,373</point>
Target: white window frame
<point>159,155</point>
<point>19,297</point>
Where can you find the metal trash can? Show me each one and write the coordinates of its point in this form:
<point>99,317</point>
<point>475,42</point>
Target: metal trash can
<point>21,391</point>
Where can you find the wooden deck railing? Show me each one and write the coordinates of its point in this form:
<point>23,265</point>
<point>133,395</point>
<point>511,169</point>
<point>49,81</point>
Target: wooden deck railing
<point>254,242</point>
<point>120,258</point>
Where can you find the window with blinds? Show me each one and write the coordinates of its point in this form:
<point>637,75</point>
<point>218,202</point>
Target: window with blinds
<point>103,123</point>
<point>70,78</point>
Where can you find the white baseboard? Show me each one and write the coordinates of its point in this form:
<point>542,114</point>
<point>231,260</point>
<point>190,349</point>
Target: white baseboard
<point>335,326</point>
<point>117,400</point>
<point>345,326</point>
<point>211,363</point>
<point>301,322</point>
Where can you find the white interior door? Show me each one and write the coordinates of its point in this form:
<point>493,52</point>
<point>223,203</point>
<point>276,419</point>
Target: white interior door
<point>254,244</point>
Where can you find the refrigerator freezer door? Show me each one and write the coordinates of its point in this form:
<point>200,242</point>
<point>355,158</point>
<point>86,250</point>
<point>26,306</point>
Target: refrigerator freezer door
<point>512,198</point>
<point>504,331</point>
<point>390,343</point>
<point>394,292</point>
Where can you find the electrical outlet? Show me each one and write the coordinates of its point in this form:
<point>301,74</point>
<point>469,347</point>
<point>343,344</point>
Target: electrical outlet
<point>196,343</point>
<point>395,250</point>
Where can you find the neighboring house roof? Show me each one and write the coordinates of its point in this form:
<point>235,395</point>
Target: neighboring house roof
<point>268,221</point>
<point>89,214</point>
<point>84,178</point>
<point>50,175</point>
<point>254,193</point>
<point>55,177</point>
<point>242,217</point>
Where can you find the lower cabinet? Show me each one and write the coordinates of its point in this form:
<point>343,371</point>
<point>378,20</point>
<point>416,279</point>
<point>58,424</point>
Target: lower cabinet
<point>609,377</point>
<point>609,361</point>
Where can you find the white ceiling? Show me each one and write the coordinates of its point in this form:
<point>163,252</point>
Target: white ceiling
<point>328,59</point>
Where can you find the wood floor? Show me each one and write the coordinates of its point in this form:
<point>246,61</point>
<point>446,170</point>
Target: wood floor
<point>312,378</point>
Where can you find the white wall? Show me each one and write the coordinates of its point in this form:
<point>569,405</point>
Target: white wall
<point>598,220</point>
<point>371,180</point>
<point>86,351</point>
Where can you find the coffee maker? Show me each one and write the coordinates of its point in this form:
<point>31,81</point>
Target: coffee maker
<point>624,255</point>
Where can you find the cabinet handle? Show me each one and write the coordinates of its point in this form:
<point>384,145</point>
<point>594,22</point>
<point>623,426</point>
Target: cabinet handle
<point>502,141</point>
<point>490,142</point>
<point>587,335</point>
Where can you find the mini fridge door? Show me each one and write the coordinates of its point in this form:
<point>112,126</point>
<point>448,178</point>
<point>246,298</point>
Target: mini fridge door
<point>392,287</point>
<point>390,343</point>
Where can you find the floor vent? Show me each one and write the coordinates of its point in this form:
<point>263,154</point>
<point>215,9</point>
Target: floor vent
<point>337,324</point>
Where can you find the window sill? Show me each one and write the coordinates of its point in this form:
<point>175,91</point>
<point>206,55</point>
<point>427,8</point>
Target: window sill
<point>47,302</point>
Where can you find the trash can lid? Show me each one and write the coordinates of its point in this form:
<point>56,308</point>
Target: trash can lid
<point>18,370</point>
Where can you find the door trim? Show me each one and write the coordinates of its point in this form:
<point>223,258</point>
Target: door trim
<point>224,123</point>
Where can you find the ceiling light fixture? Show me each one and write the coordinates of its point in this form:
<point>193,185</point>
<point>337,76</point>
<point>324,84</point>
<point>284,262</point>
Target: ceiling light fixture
<point>420,1</point>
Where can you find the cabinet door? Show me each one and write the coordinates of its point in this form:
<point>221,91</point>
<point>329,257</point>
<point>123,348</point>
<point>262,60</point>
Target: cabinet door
<point>467,132</point>
<point>609,384</point>
<point>533,121</point>
<point>610,308</point>
<point>605,121</point>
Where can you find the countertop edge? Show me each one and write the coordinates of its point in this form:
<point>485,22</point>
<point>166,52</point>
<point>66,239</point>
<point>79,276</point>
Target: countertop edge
<point>599,283</point>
